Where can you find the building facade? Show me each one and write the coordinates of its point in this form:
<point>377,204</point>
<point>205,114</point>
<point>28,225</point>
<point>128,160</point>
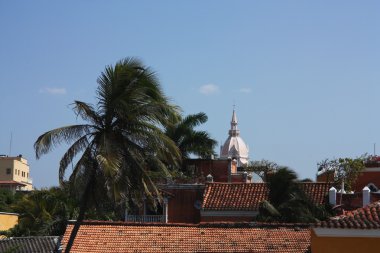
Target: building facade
<point>15,174</point>
<point>356,231</point>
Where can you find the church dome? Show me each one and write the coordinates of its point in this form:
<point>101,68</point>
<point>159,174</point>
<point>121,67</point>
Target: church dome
<point>234,147</point>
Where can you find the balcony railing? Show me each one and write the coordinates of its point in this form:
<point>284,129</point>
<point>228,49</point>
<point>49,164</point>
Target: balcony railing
<point>145,218</point>
<point>29,180</point>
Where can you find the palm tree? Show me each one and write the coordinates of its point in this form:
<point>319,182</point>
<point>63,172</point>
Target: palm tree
<point>287,201</point>
<point>120,138</point>
<point>282,186</point>
<point>42,212</point>
<point>188,140</point>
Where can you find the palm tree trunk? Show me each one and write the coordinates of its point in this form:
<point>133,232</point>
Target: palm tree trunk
<point>82,211</point>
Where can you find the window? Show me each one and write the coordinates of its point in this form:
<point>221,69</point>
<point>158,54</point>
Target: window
<point>9,171</point>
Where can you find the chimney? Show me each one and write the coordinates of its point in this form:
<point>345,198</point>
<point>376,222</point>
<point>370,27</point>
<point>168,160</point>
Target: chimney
<point>332,196</point>
<point>250,178</point>
<point>342,191</point>
<point>209,178</point>
<point>366,196</point>
<point>245,177</point>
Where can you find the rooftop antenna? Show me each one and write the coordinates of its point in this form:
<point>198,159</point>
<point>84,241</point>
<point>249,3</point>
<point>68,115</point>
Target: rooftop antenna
<point>10,145</point>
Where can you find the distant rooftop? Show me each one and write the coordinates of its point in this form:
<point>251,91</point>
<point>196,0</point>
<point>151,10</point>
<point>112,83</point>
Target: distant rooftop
<point>362,218</point>
<point>248,196</point>
<point>31,244</point>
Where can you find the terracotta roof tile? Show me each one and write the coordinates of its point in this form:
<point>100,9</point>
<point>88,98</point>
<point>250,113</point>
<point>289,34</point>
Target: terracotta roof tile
<point>235,196</point>
<point>317,192</point>
<point>248,196</point>
<point>362,218</point>
<point>117,237</point>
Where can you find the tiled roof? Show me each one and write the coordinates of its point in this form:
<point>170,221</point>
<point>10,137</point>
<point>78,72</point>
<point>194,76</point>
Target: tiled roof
<point>317,192</point>
<point>234,196</point>
<point>11,182</point>
<point>115,237</point>
<point>248,196</point>
<point>32,244</point>
<point>362,218</point>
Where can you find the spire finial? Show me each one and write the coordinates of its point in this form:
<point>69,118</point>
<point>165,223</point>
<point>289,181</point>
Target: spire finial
<point>234,118</point>
<point>234,131</point>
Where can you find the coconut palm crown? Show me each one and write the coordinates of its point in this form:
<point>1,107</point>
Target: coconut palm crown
<point>120,132</point>
<point>121,140</point>
<point>189,140</point>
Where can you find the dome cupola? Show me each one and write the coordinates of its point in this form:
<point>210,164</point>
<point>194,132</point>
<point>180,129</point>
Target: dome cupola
<point>234,147</point>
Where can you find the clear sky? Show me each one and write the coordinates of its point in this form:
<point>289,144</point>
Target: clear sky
<point>304,75</point>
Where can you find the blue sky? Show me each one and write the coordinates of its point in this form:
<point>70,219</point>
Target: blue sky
<point>304,75</point>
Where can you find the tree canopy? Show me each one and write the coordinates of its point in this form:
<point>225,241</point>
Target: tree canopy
<point>189,140</point>
<point>263,168</point>
<point>344,170</point>
<point>287,202</point>
<point>121,140</point>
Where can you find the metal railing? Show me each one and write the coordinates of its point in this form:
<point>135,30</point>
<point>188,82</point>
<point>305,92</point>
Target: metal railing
<point>145,218</point>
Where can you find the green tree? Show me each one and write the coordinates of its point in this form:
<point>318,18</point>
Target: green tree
<point>121,140</point>
<point>344,170</point>
<point>42,212</point>
<point>263,168</point>
<point>282,186</point>
<point>287,201</point>
<point>46,212</point>
<point>189,140</point>
<point>7,198</point>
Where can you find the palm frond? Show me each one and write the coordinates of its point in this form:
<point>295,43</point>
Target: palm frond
<point>194,120</point>
<point>87,112</point>
<point>52,138</point>
<point>69,155</point>
<point>83,162</point>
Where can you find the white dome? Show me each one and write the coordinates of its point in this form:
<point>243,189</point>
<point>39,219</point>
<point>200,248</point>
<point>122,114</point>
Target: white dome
<point>234,147</point>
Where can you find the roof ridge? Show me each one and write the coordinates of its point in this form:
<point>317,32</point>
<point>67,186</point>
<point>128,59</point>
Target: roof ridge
<point>234,183</point>
<point>200,225</point>
<point>30,237</point>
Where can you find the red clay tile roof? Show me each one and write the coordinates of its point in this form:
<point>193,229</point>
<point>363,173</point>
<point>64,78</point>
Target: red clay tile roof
<point>317,192</point>
<point>234,196</point>
<point>11,182</point>
<point>362,218</point>
<point>248,196</point>
<point>117,237</point>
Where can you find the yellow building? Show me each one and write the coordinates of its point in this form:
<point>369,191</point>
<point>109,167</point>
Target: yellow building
<point>14,174</point>
<point>8,220</point>
<point>354,232</point>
